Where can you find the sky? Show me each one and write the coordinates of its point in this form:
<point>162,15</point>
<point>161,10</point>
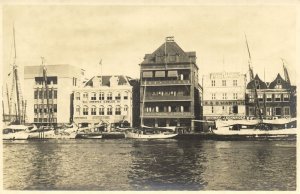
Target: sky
<point>82,35</point>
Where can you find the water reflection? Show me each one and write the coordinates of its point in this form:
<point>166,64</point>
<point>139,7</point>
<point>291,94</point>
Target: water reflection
<point>149,165</point>
<point>167,165</point>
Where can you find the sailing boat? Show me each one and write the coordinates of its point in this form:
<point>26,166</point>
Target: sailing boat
<point>283,127</point>
<point>146,132</point>
<point>16,128</point>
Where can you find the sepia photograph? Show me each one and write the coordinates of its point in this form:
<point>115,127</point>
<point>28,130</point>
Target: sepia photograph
<point>149,96</point>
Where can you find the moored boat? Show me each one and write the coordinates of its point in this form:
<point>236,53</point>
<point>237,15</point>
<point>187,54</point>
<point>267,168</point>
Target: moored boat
<point>256,129</point>
<point>16,132</point>
<point>150,133</point>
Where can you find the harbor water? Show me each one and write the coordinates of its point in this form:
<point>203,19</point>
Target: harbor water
<point>169,164</point>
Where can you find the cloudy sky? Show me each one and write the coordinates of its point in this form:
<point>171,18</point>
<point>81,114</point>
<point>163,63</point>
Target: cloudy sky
<point>81,35</point>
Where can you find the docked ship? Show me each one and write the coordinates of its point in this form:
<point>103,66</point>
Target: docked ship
<point>258,126</point>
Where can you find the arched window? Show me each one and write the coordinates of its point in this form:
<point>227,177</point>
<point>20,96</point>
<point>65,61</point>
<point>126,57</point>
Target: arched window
<point>101,110</point>
<point>101,96</point>
<point>109,96</point>
<point>85,95</point>
<point>77,96</point>
<point>109,110</point>
<point>93,96</point>
<point>118,110</point>
<point>77,110</point>
<point>85,110</point>
<point>118,96</point>
<point>93,110</point>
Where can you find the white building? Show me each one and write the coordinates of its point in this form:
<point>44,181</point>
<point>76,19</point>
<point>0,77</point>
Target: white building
<point>105,99</point>
<point>62,79</point>
<point>224,95</point>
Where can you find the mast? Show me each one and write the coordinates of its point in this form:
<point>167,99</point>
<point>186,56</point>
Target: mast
<point>3,110</point>
<point>252,79</point>
<point>8,103</point>
<point>143,106</point>
<point>286,74</point>
<point>47,89</point>
<point>16,77</point>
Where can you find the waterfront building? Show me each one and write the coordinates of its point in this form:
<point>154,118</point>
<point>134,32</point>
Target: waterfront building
<point>224,96</point>
<point>169,89</point>
<point>61,80</point>
<point>104,99</point>
<point>276,99</point>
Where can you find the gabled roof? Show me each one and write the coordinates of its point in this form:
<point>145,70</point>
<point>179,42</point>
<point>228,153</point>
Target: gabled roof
<point>171,48</point>
<point>252,85</point>
<point>281,81</point>
<point>166,51</point>
<point>106,80</point>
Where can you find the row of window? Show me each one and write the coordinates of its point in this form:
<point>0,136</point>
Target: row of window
<point>45,120</point>
<point>276,111</point>
<point>50,80</point>
<point>93,110</point>
<point>42,94</point>
<point>231,109</point>
<point>224,83</point>
<point>167,109</point>
<point>100,96</point>
<point>42,108</point>
<point>224,96</point>
<point>270,97</point>
<point>168,93</point>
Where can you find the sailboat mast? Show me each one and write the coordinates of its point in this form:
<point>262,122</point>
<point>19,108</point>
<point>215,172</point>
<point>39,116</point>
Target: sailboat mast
<point>16,79</point>
<point>18,95</point>
<point>252,79</point>
<point>8,103</point>
<point>286,74</point>
<point>3,112</point>
<point>47,89</point>
<point>143,105</point>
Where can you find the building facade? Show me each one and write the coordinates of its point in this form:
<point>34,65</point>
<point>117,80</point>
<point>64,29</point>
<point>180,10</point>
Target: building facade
<point>276,99</point>
<point>104,99</point>
<point>169,88</point>
<point>224,96</point>
<point>61,80</point>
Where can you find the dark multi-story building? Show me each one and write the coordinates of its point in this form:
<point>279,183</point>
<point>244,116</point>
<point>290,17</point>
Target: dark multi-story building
<point>169,88</point>
<point>276,99</point>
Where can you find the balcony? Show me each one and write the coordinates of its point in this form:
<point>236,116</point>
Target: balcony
<point>167,98</point>
<point>162,66</point>
<point>167,115</point>
<point>166,82</point>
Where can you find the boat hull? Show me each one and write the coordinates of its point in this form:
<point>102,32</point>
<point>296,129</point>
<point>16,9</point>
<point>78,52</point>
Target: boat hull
<point>51,135</point>
<point>89,136</point>
<point>15,136</point>
<point>133,135</point>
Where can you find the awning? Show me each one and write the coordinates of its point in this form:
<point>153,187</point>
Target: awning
<point>147,74</point>
<point>160,74</point>
<point>172,74</point>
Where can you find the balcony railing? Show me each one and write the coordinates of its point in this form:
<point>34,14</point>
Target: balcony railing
<point>162,66</point>
<point>168,98</point>
<point>167,114</point>
<point>166,82</point>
